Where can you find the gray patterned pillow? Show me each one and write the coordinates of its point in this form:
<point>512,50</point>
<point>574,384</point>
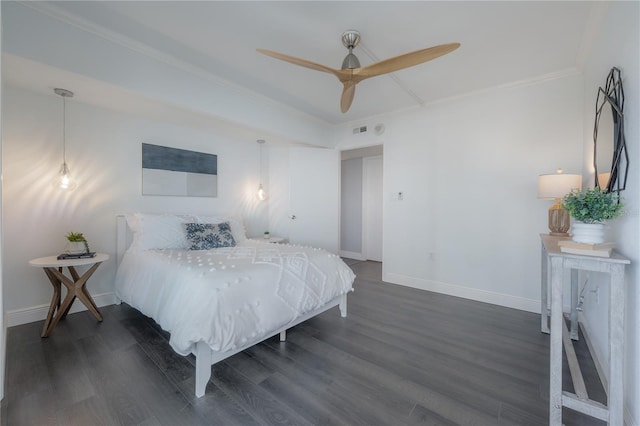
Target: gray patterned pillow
<point>206,236</point>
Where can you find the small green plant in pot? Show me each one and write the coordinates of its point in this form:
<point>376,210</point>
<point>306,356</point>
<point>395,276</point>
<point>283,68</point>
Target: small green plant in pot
<point>77,243</point>
<point>590,209</point>
<point>267,235</point>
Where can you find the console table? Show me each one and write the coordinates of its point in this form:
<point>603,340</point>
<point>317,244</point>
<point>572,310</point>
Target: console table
<point>555,267</point>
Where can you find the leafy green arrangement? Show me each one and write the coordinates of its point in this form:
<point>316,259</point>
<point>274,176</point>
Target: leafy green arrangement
<point>593,205</point>
<point>77,237</point>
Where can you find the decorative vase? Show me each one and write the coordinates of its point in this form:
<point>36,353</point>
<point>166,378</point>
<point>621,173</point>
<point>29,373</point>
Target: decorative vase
<point>588,233</point>
<point>76,247</point>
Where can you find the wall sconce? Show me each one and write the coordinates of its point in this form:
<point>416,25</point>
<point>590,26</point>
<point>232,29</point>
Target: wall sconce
<point>262,194</point>
<point>555,187</point>
<point>64,180</point>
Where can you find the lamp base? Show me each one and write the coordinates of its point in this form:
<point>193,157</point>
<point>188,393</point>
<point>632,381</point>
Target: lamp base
<point>559,219</point>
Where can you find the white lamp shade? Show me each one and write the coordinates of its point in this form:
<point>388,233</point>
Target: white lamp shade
<point>558,185</point>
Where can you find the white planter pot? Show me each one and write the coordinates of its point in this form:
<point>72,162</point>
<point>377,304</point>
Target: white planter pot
<point>76,247</point>
<point>588,233</point>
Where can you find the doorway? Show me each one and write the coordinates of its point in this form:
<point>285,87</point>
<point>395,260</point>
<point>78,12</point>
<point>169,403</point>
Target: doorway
<point>361,203</point>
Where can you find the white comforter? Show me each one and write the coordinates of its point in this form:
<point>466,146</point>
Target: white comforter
<point>229,297</point>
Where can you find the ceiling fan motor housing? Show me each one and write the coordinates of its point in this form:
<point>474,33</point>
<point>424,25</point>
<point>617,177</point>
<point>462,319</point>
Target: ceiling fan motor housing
<point>350,39</point>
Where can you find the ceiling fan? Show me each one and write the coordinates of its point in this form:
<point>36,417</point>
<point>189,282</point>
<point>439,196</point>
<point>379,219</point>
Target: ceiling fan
<point>352,73</point>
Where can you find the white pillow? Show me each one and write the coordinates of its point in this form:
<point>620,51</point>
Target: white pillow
<point>237,228</point>
<point>158,231</point>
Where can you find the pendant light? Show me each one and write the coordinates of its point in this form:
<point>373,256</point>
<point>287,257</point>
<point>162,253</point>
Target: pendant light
<point>64,180</point>
<point>262,194</point>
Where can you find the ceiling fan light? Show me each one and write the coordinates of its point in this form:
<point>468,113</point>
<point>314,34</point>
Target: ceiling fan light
<point>350,62</point>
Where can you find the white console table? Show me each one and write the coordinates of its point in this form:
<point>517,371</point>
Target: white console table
<point>555,267</point>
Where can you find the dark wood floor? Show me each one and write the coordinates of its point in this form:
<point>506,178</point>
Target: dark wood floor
<point>401,357</point>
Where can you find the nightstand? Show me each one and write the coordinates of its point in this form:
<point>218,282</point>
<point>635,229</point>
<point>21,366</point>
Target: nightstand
<point>76,286</point>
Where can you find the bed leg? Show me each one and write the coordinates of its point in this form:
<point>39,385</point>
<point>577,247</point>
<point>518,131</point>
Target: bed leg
<point>283,336</point>
<point>203,367</point>
<point>343,306</point>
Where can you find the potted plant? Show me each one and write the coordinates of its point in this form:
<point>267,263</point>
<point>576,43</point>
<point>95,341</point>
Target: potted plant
<point>77,243</point>
<point>266,235</point>
<point>590,209</point>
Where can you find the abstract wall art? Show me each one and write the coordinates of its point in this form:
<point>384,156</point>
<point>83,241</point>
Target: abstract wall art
<point>178,172</point>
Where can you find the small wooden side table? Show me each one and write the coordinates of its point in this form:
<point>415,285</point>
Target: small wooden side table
<point>76,286</point>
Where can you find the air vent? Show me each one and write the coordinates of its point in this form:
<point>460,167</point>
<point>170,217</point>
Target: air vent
<point>361,129</point>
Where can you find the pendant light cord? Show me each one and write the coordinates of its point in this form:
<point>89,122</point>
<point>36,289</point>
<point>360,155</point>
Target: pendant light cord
<point>261,161</point>
<point>64,130</point>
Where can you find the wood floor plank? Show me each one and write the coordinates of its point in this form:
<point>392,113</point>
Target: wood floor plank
<point>415,385</point>
<point>90,411</point>
<point>216,407</point>
<point>317,382</point>
<point>303,401</point>
<point>420,416</point>
<point>67,370</point>
<point>250,368</point>
<point>254,399</point>
<point>525,368</point>
<point>37,408</point>
<point>427,366</point>
<point>178,368</point>
<point>154,389</point>
<point>112,384</point>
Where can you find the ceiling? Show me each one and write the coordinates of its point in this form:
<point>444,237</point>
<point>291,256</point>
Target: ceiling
<point>501,43</point>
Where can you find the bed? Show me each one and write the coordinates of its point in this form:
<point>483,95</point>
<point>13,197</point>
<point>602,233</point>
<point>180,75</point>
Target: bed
<point>217,302</point>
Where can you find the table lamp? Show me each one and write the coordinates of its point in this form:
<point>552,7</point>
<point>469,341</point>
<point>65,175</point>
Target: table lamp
<point>555,187</point>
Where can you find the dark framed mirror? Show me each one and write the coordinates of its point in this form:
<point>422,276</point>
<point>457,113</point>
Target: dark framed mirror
<point>610,157</point>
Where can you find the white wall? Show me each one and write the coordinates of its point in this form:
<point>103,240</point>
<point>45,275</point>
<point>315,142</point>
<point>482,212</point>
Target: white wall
<point>3,330</point>
<point>351,208</point>
<point>469,223</point>
<point>618,45</point>
<point>372,207</point>
<point>104,154</point>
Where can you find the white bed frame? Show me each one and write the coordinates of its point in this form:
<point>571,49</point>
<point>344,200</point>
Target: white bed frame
<point>205,356</point>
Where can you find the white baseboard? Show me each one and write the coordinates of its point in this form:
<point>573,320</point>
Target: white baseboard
<point>352,255</point>
<point>529,305</point>
<point>39,313</point>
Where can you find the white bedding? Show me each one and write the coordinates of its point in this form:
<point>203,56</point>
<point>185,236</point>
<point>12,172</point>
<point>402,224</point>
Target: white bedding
<point>229,297</point>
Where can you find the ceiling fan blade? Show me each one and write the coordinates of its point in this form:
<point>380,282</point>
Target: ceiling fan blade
<point>300,62</point>
<point>348,93</point>
<point>404,61</point>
